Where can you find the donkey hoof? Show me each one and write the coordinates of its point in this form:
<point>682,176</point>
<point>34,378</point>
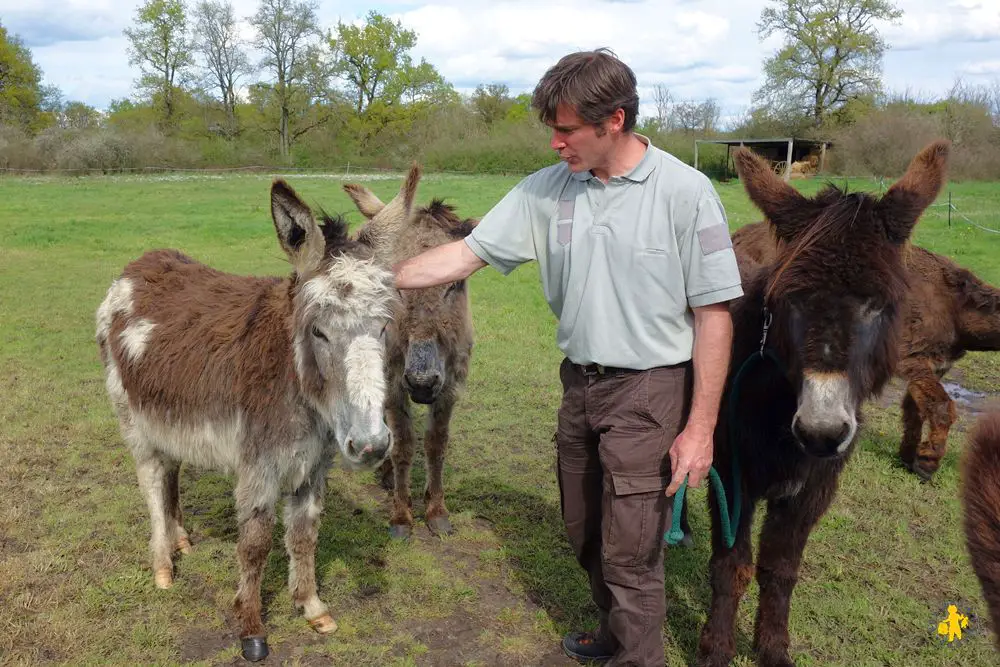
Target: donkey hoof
<point>775,659</point>
<point>164,578</point>
<point>324,624</point>
<point>925,471</point>
<point>254,648</point>
<point>400,532</point>
<point>439,526</point>
<point>183,545</point>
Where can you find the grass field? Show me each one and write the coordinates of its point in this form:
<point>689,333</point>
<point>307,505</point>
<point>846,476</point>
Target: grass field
<point>75,583</point>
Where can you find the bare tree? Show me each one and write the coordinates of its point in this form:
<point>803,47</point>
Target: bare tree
<point>701,117</point>
<point>285,33</point>
<point>662,99</point>
<point>985,96</point>
<point>225,60</point>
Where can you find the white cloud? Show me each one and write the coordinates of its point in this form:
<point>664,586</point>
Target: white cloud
<point>926,23</point>
<point>700,49</point>
<point>982,68</point>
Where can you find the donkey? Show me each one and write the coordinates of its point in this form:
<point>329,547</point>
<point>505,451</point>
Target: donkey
<point>949,311</point>
<point>824,319</point>
<point>429,346</point>
<point>981,500</point>
<point>262,377</point>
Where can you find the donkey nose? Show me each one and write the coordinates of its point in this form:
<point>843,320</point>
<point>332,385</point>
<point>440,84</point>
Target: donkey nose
<point>822,441</point>
<point>423,387</point>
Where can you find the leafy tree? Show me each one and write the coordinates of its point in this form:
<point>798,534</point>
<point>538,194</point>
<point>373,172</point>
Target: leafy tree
<point>225,60</point>
<point>160,46</point>
<point>492,102</point>
<point>21,91</point>
<point>832,52</point>
<point>285,32</point>
<point>372,58</point>
<point>79,116</point>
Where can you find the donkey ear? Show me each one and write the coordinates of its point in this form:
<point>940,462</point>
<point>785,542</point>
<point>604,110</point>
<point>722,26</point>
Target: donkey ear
<point>906,200</point>
<point>783,206</point>
<point>299,235</point>
<point>364,199</point>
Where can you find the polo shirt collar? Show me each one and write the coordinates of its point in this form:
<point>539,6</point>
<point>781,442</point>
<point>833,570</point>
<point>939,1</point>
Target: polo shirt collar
<point>638,174</point>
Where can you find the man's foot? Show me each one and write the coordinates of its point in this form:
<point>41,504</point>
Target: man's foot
<point>588,647</point>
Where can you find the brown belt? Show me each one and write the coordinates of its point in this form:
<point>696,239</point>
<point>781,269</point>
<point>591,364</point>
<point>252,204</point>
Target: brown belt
<point>597,369</point>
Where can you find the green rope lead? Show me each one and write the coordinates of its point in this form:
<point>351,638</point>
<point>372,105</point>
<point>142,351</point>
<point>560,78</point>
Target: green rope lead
<point>676,534</point>
<point>730,520</point>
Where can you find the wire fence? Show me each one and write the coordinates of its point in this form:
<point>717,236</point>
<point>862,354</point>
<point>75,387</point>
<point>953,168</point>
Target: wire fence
<point>370,172</point>
<point>331,171</point>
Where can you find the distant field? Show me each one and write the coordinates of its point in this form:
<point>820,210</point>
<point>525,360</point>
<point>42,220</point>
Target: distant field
<point>75,583</point>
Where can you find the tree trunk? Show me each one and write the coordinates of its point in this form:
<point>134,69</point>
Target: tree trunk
<point>283,132</point>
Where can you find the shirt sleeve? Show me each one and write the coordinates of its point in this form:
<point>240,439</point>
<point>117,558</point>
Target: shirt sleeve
<point>710,271</point>
<point>503,238</point>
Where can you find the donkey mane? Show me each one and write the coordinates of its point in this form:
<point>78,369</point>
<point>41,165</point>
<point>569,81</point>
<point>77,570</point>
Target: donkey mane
<point>443,216</point>
<point>818,244</point>
<point>335,228</point>
<point>973,292</point>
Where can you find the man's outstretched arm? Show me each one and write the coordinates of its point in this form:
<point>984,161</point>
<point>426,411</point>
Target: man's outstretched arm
<point>438,266</point>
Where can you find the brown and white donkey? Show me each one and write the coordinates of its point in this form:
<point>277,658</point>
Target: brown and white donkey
<point>264,378</point>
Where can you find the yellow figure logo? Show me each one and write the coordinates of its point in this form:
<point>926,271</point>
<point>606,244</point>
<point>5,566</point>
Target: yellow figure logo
<point>952,626</point>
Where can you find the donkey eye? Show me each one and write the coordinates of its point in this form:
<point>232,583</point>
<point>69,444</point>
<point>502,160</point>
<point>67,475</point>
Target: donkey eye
<point>384,327</point>
<point>319,334</point>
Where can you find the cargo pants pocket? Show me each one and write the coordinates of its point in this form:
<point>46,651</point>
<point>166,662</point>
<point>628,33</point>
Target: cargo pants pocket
<point>634,507</point>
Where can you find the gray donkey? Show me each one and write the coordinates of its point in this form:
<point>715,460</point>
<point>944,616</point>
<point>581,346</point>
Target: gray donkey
<point>428,345</point>
<point>262,377</point>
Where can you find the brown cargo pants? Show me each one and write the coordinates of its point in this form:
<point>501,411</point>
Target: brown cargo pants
<point>615,429</point>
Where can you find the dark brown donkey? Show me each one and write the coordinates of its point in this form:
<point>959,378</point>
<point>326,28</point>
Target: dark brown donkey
<point>833,299</point>
<point>262,377</point>
<point>428,346</point>
<point>981,498</point>
<point>948,312</point>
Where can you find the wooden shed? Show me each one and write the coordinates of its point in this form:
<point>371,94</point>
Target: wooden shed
<point>782,153</point>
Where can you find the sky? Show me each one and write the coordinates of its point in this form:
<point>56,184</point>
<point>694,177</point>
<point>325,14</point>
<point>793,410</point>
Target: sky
<point>698,48</point>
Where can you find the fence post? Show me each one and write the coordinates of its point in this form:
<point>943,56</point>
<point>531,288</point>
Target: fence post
<point>949,208</point>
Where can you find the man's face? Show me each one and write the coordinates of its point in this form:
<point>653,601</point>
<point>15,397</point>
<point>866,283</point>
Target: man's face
<point>580,145</point>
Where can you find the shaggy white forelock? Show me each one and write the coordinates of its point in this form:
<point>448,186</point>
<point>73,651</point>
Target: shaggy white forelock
<point>369,298</point>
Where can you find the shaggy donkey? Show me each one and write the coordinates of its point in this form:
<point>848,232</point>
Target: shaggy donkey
<point>834,300</point>
<point>949,311</point>
<point>428,347</point>
<point>262,377</point>
<point>981,500</point>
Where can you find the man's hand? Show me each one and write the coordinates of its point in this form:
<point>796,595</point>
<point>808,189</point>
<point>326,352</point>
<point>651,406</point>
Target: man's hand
<point>690,455</point>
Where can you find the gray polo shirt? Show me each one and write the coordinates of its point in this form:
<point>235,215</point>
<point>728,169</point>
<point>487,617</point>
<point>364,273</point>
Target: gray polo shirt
<point>621,263</point>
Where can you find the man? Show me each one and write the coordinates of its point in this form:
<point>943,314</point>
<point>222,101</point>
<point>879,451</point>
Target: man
<point>636,262</point>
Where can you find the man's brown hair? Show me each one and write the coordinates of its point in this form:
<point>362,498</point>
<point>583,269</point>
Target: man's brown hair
<point>594,83</point>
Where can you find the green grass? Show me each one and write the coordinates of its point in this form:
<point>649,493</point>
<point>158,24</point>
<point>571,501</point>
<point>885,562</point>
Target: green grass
<point>75,584</point>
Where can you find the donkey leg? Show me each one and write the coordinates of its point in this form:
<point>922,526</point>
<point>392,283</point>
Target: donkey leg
<point>255,501</point>
<point>913,427</point>
<point>175,523</point>
<point>152,473</point>
<point>303,508</point>
<point>435,445</point>
<point>398,416</point>
<point>937,408</point>
<point>782,540</point>
<point>730,572</point>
